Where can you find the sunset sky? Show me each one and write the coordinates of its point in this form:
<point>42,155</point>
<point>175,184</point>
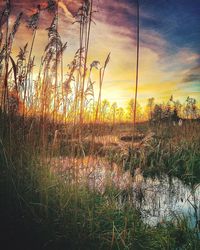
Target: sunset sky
<point>169,45</point>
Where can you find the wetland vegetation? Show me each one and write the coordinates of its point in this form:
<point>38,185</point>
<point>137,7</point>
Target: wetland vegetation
<point>80,173</point>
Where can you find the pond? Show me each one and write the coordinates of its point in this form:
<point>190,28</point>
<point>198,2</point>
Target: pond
<point>157,199</point>
<point>165,198</point>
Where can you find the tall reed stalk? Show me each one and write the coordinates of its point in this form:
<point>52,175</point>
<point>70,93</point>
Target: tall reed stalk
<point>101,79</point>
<point>5,85</point>
<point>87,23</point>
<point>33,24</point>
<point>137,63</point>
<point>56,97</point>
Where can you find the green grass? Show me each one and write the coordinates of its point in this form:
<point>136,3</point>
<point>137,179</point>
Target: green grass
<point>40,211</point>
<point>174,151</point>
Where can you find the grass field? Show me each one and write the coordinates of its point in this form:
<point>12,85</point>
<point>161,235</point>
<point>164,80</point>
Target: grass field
<point>45,209</point>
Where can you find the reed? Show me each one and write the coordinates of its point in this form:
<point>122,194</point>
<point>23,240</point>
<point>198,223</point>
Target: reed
<point>57,141</point>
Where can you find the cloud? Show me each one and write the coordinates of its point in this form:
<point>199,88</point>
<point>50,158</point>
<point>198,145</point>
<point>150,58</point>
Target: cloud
<point>192,75</point>
<point>163,70</point>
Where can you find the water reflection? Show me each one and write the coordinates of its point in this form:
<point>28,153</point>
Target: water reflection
<point>166,197</point>
<point>157,199</point>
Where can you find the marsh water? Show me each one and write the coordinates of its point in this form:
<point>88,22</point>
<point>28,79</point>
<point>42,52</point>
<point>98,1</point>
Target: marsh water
<point>165,198</point>
<point>158,199</point>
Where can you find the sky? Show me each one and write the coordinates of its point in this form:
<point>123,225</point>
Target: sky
<point>169,45</point>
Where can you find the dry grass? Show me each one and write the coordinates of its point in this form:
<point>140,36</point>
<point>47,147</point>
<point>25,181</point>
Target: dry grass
<point>65,157</point>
